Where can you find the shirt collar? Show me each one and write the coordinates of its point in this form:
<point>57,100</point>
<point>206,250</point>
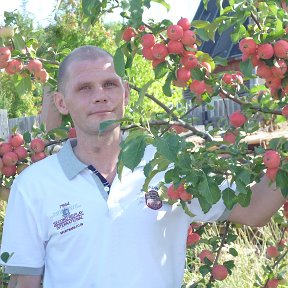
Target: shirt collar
<point>70,164</point>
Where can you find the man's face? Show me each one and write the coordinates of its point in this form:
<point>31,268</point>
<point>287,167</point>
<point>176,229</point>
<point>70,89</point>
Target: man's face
<point>93,93</point>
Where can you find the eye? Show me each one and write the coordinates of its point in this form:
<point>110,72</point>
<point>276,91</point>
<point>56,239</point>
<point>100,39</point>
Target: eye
<point>84,87</point>
<point>109,84</point>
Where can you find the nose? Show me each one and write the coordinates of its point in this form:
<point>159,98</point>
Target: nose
<point>99,95</point>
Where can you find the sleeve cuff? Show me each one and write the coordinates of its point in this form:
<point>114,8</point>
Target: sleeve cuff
<point>224,216</point>
<point>31,271</point>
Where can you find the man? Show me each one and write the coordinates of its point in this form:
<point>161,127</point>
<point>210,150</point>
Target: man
<point>71,215</point>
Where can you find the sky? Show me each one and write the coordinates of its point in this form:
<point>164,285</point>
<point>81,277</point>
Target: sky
<point>42,10</point>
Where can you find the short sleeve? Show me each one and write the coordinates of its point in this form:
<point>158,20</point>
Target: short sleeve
<point>218,211</point>
<point>20,235</point>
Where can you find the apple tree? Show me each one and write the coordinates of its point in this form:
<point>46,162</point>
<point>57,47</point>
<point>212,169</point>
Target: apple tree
<point>171,51</point>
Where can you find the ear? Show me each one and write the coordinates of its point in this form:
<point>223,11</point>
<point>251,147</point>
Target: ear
<point>60,103</point>
<point>127,93</point>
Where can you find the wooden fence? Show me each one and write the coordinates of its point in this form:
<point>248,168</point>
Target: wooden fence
<point>216,114</point>
<point>23,124</point>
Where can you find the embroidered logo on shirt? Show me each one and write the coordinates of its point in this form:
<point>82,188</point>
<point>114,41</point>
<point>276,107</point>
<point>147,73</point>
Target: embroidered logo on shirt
<point>152,198</point>
<point>71,217</point>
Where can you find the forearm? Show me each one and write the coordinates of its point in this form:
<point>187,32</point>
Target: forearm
<point>12,282</point>
<point>265,201</point>
<point>24,281</point>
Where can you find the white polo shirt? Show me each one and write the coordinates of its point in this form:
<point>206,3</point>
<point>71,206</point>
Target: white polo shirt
<point>57,218</point>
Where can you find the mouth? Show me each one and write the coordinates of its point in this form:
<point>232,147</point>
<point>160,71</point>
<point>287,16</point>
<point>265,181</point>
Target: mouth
<point>100,112</point>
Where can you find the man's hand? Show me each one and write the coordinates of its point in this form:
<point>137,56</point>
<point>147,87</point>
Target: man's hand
<point>265,201</point>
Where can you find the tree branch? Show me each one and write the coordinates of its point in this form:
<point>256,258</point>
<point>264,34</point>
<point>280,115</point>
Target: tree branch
<point>238,101</point>
<point>204,135</point>
<point>220,248</point>
<point>256,21</point>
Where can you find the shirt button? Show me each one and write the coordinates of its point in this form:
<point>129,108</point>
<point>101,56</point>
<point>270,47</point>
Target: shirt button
<point>107,189</point>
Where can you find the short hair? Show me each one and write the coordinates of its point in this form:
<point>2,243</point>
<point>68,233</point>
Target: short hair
<point>87,52</point>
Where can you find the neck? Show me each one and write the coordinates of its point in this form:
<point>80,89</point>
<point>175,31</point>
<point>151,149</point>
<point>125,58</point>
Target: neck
<point>101,151</point>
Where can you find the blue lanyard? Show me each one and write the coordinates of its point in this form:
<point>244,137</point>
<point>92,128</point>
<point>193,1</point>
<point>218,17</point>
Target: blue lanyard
<point>104,181</point>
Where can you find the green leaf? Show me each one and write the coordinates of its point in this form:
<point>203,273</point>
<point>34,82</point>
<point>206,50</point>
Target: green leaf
<point>209,189</point>
<point>92,9</point>
<point>105,124</point>
<point>19,42</point>
<point>257,88</point>
<point>284,191</point>
<point>186,209</point>
<point>161,70</point>
<point>231,238</point>
<point>136,11</point>
<point>281,179</point>
<point>129,61</point>
<point>167,86</point>
<point>238,33</point>
<point>184,161</point>
<point>233,252</point>
<point>229,198</point>
<point>149,178</point>
<point>31,42</point>
<point>220,61</point>
<point>229,264</point>
<point>200,24</point>
<point>120,166</point>
<point>27,137</point>
<point>59,132</point>
<point>205,205</point>
<point>168,146</point>
<point>23,85</point>
<point>275,143</point>
<point>148,168</point>
<point>277,32</point>
<point>197,74</point>
<point>162,2</point>
<point>205,3</point>
<point>133,151</point>
<point>212,30</point>
<point>244,175</point>
<point>246,68</point>
<point>203,34</point>
<point>119,62</point>
<point>171,175</point>
<point>204,270</point>
<point>157,162</point>
<point>244,199</point>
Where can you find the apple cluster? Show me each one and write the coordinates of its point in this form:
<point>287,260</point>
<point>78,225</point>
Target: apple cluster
<point>14,155</point>
<point>237,119</point>
<point>218,271</point>
<point>15,65</point>
<point>175,193</point>
<point>181,41</point>
<point>270,61</point>
<point>231,82</point>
